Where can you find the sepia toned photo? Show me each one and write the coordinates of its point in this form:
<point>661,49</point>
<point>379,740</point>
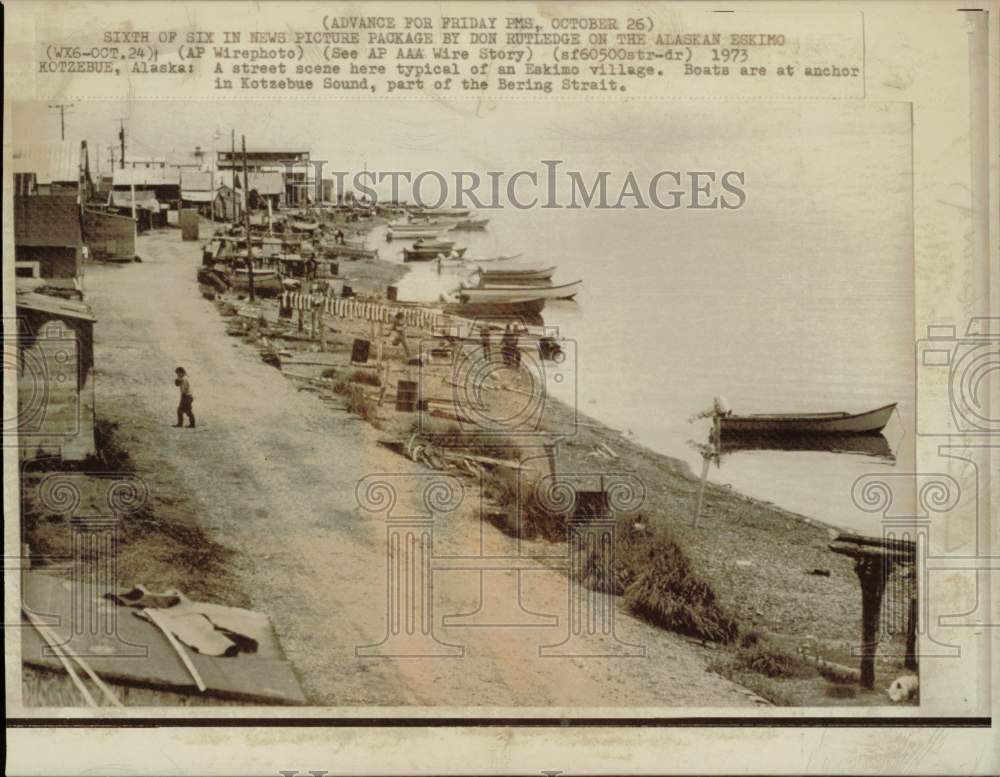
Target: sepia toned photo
<point>490,362</point>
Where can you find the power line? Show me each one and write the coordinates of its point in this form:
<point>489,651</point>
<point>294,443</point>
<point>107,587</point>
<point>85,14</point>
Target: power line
<point>62,107</point>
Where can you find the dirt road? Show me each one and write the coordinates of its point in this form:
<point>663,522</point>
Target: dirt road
<point>272,474</point>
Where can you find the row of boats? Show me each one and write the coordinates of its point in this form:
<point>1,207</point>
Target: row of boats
<point>293,244</point>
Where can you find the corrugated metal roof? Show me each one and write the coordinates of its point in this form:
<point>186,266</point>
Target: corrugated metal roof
<point>50,162</point>
<point>56,306</point>
<point>153,176</point>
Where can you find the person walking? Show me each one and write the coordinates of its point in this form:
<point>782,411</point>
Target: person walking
<point>187,398</point>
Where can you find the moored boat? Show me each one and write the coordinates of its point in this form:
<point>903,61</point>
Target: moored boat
<point>430,254</point>
<point>519,293</point>
<point>514,275</point>
<point>869,422</point>
<point>408,232</point>
<point>528,311</point>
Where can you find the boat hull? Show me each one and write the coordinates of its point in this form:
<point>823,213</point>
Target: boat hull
<point>528,311</point>
<point>871,422</point>
<point>520,293</point>
<point>430,254</point>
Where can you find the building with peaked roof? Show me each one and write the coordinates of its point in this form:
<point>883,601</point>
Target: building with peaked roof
<point>52,168</point>
<point>55,377</point>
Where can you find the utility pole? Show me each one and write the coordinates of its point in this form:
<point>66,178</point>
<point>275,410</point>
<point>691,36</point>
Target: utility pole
<point>121,139</point>
<point>246,214</point>
<point>61,107</point>
<point>232,169</point>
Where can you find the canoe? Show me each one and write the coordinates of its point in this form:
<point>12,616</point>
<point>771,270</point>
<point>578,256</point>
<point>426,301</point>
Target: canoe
<point>519,293</point>
<point>870,422</point>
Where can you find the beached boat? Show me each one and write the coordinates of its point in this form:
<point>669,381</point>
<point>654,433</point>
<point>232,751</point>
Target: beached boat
<point>471,224</point>
<point>519,293</point>
<point>333,250</point>
<point>265,281</point>
<point>870,422</point>
<point>421,254</point>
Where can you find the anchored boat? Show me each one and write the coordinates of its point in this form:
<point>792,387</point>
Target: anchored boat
<point>430,254</point>
<point>520,293</point>
<point>870,422</point>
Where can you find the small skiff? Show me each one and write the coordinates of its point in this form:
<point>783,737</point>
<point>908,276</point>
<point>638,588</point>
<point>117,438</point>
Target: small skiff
<point>520,293</point>
<point>870,422</point>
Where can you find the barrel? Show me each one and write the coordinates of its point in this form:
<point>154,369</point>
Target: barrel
<point>406,396</point>
<point>359,351</point>
<point>390,293</point>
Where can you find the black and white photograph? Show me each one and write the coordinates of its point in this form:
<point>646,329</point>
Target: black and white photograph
<point>404,363</point>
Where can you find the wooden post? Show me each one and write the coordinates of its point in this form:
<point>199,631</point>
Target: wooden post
<point>869,568</point>
<point>246,216</point>
<point>910,662</point>
<point>705,461</point>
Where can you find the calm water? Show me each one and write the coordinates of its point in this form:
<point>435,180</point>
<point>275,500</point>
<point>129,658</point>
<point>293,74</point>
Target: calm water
<point>801,301</point>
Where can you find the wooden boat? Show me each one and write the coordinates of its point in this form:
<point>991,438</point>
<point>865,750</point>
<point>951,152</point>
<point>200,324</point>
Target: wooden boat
<point>515,275</point>
<point>874,445</point>
<point>442,245</point>
<point>301,225</point>
<point>528,310</point>
<point>333,250</point>
<point>409,233</point>
<point>519,293</point>
<point>266,282</point>
<point>471,224</point>
<point>430,254</point>
<point>870,422</point>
